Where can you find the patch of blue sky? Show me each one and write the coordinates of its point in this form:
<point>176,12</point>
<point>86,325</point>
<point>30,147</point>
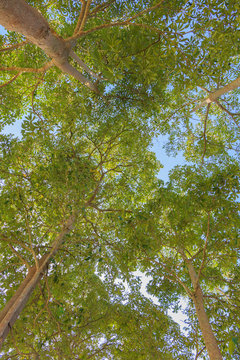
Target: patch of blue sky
<point>2,30</point>
<point>168,162</point>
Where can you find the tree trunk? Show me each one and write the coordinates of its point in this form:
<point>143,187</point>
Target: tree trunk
<point>205,326</point>
<point>17,15</point>
<point>13,308</point>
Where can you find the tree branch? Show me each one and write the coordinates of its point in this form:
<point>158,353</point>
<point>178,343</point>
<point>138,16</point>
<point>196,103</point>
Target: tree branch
<point>110,210</point>
<point>13,47</point>
<point>204,252</point>
<point>213,96</point>
<point>12,309</point>
<point>11,80</point>
<point>186,288</point>
<point>101,7</point>
<point>83,65</point>
<point>199,353</point>
<point>228,112</point>
<point>28,70</point>
<point>80,18</point>
<point>15,241</point>
<point>204,133</point>
<point>70,70</point>
<point>118,23</point>
<point>24,261</point>
<point>85,15</point>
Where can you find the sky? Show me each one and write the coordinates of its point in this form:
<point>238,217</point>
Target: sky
<point>2,30</point>
<point>168,162</point>
<point>158,143</point>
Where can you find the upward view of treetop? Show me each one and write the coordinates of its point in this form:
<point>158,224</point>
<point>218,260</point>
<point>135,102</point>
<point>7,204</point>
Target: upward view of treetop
<point>92,84</point>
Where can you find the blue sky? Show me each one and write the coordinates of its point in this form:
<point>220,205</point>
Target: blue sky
<point>167,161</point>
<point>2,30</point>
<point>158,143</point>
<point>168,164</point>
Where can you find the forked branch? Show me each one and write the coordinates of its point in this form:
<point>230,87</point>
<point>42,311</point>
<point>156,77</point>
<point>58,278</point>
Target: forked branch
<point>117,23</point>
<point>80,18</point>
<point>213,96</point>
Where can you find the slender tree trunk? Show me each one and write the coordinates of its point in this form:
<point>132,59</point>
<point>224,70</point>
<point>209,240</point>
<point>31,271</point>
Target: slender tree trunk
<point>15,305</point>
<point>212,97</point>
<point>205,326</point>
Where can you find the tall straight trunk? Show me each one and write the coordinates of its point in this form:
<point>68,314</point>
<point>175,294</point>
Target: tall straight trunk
<point>205,326</point>
<point>15,305</point>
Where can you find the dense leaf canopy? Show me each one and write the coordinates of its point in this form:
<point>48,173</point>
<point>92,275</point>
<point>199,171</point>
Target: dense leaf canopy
<point>84,157</point>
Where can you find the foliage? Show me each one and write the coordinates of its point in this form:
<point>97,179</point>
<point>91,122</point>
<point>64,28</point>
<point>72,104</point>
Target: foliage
<point>89,154</point>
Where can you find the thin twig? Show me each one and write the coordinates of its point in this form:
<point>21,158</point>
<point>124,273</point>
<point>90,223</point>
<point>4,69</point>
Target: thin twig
<point>110,210</point>
<point>195,255</point>
<point>48,309</point>
<point>11,80</point>
<point>13,47</point>
<point>151,8</point>
<point>186,288</point>
<point>200,352</point>
<point>204,253</point>
<point>100,7</point>
<point>26,213</point>
<point>22,244</point>
<point>33,93</point>
<point>15,344</point>
<point>45,305</point>
<point>228,112</point>
<point>204,133</point>
<point>23,260</point>
<point>108,343</point>
<point>108,25</point>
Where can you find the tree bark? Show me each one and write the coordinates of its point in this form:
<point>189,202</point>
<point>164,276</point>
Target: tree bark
<point>15,305</point>
<point>216,94</point>
<point>205,326</point>
<point>17,15</point>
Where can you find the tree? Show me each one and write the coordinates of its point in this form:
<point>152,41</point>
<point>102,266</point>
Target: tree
<point>186,238</point>
<point>216,94</point>
<point>19,16</point>
<point>63,180</point>
<point>83,168</point>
